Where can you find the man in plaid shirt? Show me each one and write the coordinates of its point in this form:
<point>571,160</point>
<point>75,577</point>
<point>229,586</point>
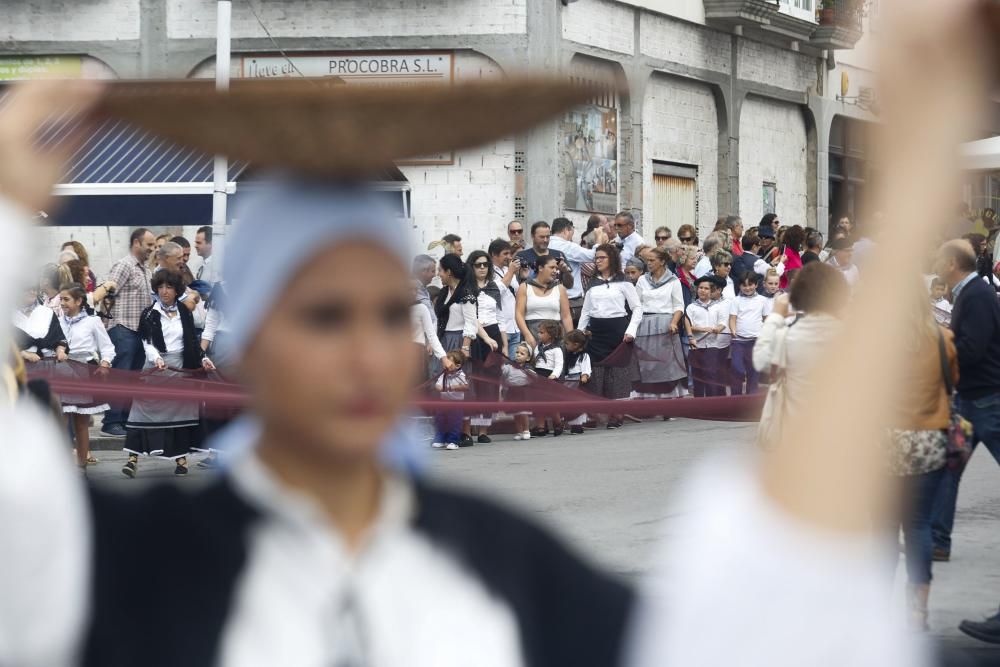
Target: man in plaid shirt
<point>134,294</point>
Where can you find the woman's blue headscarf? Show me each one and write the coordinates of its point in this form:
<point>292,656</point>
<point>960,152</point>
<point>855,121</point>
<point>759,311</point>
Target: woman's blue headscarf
<point>278,226</point>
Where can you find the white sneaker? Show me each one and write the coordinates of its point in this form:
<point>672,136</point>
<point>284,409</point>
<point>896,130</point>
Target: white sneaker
<point>518,436</point>
<point>437,445</point>
<point>526,435</point>
<point>451,445</point>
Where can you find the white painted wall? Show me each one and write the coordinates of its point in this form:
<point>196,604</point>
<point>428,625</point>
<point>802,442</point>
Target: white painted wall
<point>689,10</point>
<point>676,41</point>
<point>602,23</point>
<point>680,125</point>
<point>351,18</point>
<point>57,20</point>
<point>773,149</point>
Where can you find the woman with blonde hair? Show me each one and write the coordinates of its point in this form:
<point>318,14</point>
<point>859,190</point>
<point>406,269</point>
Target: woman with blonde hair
<point>918,443</point>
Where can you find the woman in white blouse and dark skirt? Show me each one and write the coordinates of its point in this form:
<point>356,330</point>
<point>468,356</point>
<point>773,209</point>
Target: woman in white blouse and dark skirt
<point>481,281</point>
<point>458,323</point>
<point>662,365</point>
<point>606,319</point>
<point>89,343</point>
<point>168,429</point>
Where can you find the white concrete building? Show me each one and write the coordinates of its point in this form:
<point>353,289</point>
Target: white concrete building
<point>725,106</point>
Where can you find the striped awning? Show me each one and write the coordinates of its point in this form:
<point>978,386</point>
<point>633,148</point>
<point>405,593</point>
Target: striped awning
<point>116,153</point>
<point>124,176</point>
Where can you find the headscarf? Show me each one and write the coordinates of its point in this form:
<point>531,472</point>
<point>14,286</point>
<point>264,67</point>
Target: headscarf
<point>280,226</point>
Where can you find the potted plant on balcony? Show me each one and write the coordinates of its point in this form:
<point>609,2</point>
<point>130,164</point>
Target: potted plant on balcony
<point>828,12</point>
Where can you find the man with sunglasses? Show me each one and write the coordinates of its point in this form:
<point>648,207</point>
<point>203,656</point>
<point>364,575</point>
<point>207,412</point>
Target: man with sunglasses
<point>515,232</point>
<point>628,239</point>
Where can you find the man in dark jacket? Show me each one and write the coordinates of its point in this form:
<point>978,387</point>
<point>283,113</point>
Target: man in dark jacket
<point>975,321</point>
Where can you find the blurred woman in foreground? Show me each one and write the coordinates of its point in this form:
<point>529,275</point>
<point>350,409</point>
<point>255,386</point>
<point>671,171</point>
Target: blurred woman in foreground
<point>308,550</point>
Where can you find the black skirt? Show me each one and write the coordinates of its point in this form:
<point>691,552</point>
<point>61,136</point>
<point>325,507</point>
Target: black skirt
<point>606,335</point>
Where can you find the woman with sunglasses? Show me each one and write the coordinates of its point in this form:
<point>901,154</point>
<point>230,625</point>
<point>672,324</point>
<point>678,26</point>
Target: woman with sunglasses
<point>611,316</point>
<point>661,236</point>
<point>687,235</point>
<point>481,280</point>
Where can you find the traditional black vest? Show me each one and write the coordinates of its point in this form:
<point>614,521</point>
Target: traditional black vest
<point>568,613</point>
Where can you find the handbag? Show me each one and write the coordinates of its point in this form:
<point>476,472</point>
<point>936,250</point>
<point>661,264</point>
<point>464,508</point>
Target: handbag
<point>960,431</point>
<point>772,416</point>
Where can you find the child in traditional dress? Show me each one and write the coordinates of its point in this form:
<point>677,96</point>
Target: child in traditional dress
<point>89,343</point>
<point>452,385</point>
<point>516,378</point>
<point>746,317</point>
<point>706,324</point>
<point>578,371</point>
<point>549,362</point>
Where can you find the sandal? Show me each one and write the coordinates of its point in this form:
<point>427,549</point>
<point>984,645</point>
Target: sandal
<point>92,460</point>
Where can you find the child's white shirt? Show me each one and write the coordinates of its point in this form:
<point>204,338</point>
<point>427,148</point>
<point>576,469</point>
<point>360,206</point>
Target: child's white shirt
<point>550,358</point>
<point>750,312</point>
<point>581,366</point>
<point>450,379</point>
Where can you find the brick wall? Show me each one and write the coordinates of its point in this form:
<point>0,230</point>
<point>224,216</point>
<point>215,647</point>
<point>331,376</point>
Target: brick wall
<point>601,23</point>
<point>473,198</point>
<point>770,65</point>
<point>352,18</point>
<point>773,149</point>
<point>676,41</point>
<point>61,20</point>
<point>680,125</point>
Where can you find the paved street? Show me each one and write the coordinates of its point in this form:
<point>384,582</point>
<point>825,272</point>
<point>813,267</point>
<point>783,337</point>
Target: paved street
<point>608,495</point>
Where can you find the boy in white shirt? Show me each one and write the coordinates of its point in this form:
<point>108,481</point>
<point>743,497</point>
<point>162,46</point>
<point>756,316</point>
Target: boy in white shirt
<point>746,317</point>
<point>706,320</point>
<point>940,306</point>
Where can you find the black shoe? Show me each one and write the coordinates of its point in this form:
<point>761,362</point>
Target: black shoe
<point>539,432</point>
<point>556,432</point>
<point>576,430</point>
<point>131,467</point>
<point>114,431</point>
<point>984,631</point>
<point>484,439</point>
<point>941,555</point>
<point>466,441</point>
<point>612,425</point>
<point>181,468</point>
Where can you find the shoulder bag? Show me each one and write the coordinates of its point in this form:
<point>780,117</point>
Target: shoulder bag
<point>960,431</point>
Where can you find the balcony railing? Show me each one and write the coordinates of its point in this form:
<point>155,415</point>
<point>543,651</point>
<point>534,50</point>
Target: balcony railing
<point>839,21</point>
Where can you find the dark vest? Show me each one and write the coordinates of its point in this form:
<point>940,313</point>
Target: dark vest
<point>167,563</point>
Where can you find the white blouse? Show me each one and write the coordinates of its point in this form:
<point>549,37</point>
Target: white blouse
<point>709,316</point>
<point>667,298</point>
<point>489,312</point>
<point>551,360</point>
<point>215,322</point>
<point>581,366</point>
<point>606,300</point>
<point>87,338</point>
<point>424,331</point>
<point>462,317</point>
<point>173,335</point>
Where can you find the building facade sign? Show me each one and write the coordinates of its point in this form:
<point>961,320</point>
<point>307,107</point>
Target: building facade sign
<point>17,68</point>
<point>368,68</point>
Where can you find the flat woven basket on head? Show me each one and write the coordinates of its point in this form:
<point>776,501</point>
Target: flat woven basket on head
<point>323,127</point>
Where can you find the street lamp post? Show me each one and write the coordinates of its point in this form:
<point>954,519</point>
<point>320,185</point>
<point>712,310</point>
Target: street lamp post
<point>221,174</point>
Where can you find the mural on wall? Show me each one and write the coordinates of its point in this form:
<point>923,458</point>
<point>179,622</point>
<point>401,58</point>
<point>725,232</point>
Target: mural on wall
<point>770,192</point>
<point>588,143</point>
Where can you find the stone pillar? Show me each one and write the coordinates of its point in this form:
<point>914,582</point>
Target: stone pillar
<point>153,48</point>
<point>540,145</point>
